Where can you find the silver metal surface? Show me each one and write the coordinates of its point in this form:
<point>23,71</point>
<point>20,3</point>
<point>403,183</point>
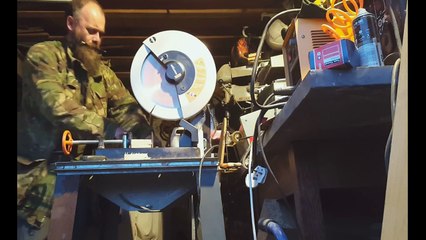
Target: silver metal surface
<point>96,141</point>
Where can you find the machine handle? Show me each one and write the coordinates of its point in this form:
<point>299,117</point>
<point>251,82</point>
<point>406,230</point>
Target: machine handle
<point>67,142</point>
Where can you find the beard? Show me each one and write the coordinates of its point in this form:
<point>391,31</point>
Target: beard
<point>89,56</point>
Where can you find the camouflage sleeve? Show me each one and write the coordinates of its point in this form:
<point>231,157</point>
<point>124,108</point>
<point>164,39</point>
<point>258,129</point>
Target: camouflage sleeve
<point>123,107</point>
<point>47,74</point>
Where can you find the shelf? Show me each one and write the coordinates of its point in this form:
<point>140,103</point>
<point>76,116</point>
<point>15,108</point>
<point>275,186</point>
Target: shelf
<point>334,104</point>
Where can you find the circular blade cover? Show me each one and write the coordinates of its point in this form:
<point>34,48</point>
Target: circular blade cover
<point>173,75</point>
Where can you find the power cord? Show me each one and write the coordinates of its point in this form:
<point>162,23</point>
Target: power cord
<point>256,60</point>
<point>394,87</point>
<point>199,171</point>
<point>197,213</point>
<point>253,222</point>
<point>259,139</point>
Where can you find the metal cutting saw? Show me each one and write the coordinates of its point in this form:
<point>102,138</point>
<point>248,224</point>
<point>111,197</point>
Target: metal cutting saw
<point>173,77</point>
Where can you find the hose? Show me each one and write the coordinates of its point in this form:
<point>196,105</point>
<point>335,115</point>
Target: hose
<point>272,227</point>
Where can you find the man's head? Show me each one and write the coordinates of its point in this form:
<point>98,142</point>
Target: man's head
<point>86,26</point>
<point>87,23</point>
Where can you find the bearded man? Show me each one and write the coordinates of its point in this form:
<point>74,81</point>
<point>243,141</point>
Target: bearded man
<point>66,86</point>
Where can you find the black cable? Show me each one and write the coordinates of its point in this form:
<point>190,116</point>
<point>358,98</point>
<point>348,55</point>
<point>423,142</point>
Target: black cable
<point>291,210</point>
<point>257,130</point>
<point>256,60</point>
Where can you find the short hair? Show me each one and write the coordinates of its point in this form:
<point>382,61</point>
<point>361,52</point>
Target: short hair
<point>73,9</point>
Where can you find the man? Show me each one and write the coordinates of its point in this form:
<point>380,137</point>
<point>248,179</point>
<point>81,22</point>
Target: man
<point>66,85</point>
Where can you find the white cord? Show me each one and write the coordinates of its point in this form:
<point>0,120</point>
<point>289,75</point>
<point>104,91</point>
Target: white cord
<point>199,170</point>
<point>396,30</point>
<point>199,182</point>
<point>253,225</point>
<point>394,85</point>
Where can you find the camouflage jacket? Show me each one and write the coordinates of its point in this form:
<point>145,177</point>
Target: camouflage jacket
<point>58,94</point>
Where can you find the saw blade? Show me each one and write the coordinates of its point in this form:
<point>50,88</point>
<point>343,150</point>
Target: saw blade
<point>173,75</point>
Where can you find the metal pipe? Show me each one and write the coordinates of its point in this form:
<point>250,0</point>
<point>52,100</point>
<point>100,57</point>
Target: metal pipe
<point>221,152</point>
<point>95,141</point>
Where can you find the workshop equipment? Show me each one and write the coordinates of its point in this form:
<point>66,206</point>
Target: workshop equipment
<point>173,77</point>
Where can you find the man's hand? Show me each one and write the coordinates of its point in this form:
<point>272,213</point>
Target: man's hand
<point>119,132</point>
